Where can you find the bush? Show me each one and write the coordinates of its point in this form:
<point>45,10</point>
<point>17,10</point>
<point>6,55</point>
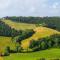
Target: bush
<point>42,59</point>
<point>7,51</point>
<point>55,59</point>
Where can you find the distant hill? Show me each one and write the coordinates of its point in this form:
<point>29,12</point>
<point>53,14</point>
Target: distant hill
<point>36,20</point>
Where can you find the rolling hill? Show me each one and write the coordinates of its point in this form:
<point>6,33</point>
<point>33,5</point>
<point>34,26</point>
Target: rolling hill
<point>40,32</point>
<point>19,26</point>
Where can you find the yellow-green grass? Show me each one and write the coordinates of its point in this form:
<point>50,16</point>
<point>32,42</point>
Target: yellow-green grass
<point>4,42</point>
<point>1,58</point>
<point>19,26</point>
<point>40,32</point>
<point>49,54</point>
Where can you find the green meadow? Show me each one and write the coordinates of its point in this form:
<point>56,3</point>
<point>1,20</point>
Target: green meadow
<point>47,54</point>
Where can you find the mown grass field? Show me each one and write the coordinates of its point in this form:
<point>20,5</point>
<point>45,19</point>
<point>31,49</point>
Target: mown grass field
<point>48,54</point>
<point>19,26</point>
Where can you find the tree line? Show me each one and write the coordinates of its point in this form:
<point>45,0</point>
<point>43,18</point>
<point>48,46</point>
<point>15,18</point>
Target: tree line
<point>49,21</point>
<point>45,43</point>
<point>6,30</point>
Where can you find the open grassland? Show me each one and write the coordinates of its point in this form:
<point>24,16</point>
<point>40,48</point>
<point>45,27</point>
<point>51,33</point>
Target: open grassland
<point>19,26</point>
<point>48,54</point>
<point>4,42</point>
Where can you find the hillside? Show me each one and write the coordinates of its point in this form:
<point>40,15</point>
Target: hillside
<point>37,20</point>
<point>4,42</point>
<point>19,26</point>
<point>49,54</point>
<point>40,32</point>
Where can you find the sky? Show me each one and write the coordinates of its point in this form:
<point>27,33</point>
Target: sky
<point>29,8</point>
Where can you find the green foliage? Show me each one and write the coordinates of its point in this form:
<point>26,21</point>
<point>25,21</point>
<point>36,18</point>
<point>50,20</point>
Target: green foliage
<point>42,58</point>
<point>45,43</point>
<point>25,34</point>
<point>7,51</point>
<point>6,30</point>
<point>33,44</point>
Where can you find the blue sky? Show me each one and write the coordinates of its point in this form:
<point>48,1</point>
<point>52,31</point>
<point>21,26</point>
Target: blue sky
<point>29,8</point>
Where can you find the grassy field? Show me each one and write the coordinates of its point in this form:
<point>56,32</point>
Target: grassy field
<point>5,41</point>
<point>48,54</point>
<point>19,26</point>
<point>1,58</point>
<point>40,33</point>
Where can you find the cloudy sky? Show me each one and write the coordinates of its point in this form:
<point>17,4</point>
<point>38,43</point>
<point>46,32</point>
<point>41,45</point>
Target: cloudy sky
<point>29,8</point>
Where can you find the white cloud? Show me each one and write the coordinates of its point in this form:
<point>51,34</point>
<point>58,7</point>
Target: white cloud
<point>4,3</point>
<point>55,5</point>
<point>29,7</point>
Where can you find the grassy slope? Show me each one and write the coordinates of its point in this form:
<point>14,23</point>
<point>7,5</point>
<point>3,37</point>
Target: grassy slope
<point>48,54</point>
<point>40,33</point>
<point>5,41</point>
<point>19,26</point>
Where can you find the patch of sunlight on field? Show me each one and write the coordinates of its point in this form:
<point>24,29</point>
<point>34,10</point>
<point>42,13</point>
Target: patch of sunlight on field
<point>40,33</point>
<point>19,26</point>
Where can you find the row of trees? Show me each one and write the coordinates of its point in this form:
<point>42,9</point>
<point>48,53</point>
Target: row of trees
<point>50,21</point>
<point>45,43</point>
